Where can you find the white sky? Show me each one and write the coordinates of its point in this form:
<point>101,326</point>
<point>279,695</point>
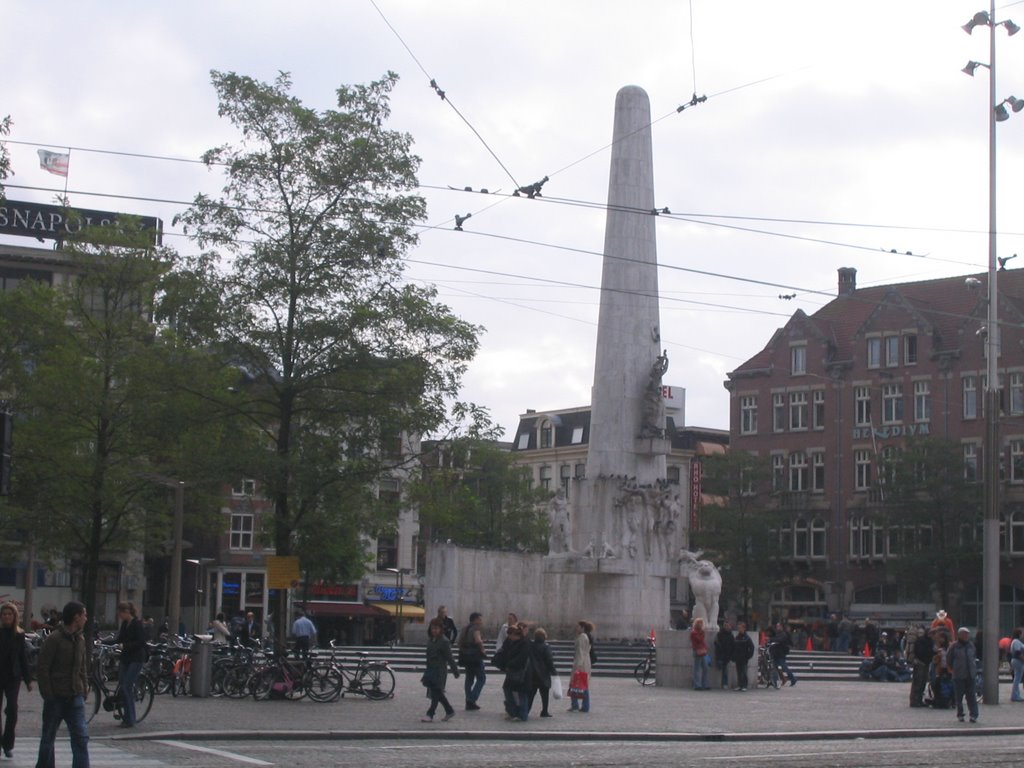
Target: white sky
<point>853,112</point>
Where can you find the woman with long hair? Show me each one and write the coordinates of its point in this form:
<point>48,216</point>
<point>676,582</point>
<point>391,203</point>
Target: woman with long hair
<point>132,638</point>
<point>13,670</point>
<point>579,684</point>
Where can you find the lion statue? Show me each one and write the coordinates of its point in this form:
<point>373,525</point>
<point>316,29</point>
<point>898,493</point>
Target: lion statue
<point>705,584</point>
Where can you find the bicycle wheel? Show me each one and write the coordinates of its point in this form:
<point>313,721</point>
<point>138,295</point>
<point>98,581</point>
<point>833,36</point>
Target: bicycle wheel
<point>644,672</point>
<point>263,683</point>
<point>93,699</point>
<point>773,675</point>
<point>323,683</point>
<point>376,681</point>
<point>144,691</point>
<point>161,672</point>
<point>236,682</point>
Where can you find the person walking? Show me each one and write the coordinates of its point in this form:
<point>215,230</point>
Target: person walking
<point>1016,653</point>
<point>779,649</point>
<point>742,653</point>
<point>701,660</point>
<point>511,621</point>
<point>723,651</point>
<point>579,684</point>
<point>439,661</point>
<point>62,673</point>
<point>132,639</point>
<point>543,664</point>
<point>14,670</point>
<point>450,630</point>
<point>471,658</point>
<point>514,660</point>
<point>962,661</point>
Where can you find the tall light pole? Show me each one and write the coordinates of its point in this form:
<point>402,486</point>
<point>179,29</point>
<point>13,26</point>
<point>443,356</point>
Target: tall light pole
<point>990,554</point>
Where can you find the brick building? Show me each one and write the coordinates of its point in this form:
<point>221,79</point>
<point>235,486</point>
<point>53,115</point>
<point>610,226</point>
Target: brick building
<point>834,393</point>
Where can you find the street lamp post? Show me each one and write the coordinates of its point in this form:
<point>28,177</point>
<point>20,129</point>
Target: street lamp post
<point>399,589</point>
<point>990,554</point>
<point>198,562</point>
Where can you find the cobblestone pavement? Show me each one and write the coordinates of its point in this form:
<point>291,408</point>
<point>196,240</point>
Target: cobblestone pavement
<point>621,708</point>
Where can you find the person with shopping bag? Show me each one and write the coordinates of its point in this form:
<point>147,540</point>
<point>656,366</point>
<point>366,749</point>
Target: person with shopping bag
<point>579,684</point>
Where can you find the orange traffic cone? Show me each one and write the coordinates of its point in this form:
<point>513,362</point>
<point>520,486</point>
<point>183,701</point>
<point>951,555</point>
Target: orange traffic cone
<point>867,650</point>
<point>810,645</point>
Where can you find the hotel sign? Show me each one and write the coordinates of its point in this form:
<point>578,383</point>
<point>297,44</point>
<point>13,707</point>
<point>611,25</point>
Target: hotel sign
<point>885,433</point>
<point>54,222</point>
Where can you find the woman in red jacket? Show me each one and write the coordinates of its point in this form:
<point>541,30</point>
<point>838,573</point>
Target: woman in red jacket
<point>701,660</point>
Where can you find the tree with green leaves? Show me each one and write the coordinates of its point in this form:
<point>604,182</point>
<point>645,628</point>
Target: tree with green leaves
<point>301,287</point>
<point>740,528</point>
<point>99,410</point>
<point>933,515</point>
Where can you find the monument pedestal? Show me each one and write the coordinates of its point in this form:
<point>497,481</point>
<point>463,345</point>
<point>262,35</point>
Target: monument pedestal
<point>674,662</point>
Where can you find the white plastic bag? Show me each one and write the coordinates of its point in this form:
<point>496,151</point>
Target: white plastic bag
<point>556,687</point>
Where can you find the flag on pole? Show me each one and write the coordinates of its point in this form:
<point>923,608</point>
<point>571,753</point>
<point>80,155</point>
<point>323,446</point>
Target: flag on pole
<point>54,162</point>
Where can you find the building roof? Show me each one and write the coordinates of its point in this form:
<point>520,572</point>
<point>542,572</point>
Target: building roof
<point>940,308</point>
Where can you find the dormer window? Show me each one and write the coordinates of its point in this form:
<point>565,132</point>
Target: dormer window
<point>547,434</point>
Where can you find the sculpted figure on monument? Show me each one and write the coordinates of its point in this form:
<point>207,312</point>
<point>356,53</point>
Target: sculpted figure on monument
<point>560,536</point>
<point>651,426</point>
<point>705,584</point>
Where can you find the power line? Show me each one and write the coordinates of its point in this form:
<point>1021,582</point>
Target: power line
<point>141,155</point>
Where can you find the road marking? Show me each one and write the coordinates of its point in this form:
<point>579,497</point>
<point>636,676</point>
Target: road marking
<point>100,755</point>
<point>211,751</point>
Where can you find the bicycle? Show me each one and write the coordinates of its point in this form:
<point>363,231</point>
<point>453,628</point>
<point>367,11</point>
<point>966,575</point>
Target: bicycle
<point>768,674</point>
<point>644,672</point>
<point>370,678</point>
<point>101,694</point>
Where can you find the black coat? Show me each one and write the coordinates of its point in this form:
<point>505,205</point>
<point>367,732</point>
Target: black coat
<point>723,647</point>
<point>543,664</point>
<point>132,638</point>
<point>742,649</point>
<point>14,663</point>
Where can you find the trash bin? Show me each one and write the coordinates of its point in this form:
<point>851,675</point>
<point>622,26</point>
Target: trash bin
<point>202,668</point>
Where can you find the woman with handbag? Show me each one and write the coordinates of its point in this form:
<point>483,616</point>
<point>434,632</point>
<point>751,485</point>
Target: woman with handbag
<point>439,661</point>
<point>543,670</point>
<point>579,684</point>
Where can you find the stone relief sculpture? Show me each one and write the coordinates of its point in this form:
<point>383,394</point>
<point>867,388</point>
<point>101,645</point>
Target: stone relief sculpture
<point>560,536</point>
<point>652,426</point>
<point>705,584</point>
<point>647,521</point>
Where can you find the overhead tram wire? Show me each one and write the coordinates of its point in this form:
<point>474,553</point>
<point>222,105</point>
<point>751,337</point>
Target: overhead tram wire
<point>140,155</point>
<point>444,95</point>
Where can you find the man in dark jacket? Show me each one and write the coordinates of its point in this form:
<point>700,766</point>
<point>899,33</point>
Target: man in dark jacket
<point>962,660</point>
<point>62,672</point>
<point>742,653</point>
<point>471,658</point>
<point>779,649</point>
<point>921,652</point>
<point>723,651</point>
<point>450,630</point>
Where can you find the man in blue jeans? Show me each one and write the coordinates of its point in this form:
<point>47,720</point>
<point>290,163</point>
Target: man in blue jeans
<point>63,681</point>
<point>472,658</point>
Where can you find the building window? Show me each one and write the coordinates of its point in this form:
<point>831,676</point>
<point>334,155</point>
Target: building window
<point>1016,394</point>
<point>241,531</point>
<point>244,487</point>
<point>818,539</point>
<point>779,412</point>
<point>565,475</point>
<point>798,358</point>
<point>874,352</point>
<point>798,474</point>
<point>545,477</point>
<point>892,403</point>
<point>748,415</point>
<point>892,351</point>
<point>778,472</point>
<point>546,434</point>
<point>1017,533</point>
<point>387,553</point>
<point>887,465</point>
<point>970,397</point>
<point>798,410</point>
<point>910,349</point>
<point>818,412</point>
<point>862,401</point>
<point>862,464</point>
<point>818,472</point>
<point>801,538</point>
<point>1017,461</point>
<point>922,401</point>
<point>581,472</point>
<point>577,435</point>
<point>524,441</point>
<point>971,462</point>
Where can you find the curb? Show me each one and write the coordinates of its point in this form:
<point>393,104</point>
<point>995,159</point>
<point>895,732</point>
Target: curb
<point>600,736</point>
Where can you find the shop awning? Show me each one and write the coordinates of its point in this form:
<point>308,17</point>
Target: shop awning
<point>408,611</point>
<point>355,610</point>
<point>709,449</point>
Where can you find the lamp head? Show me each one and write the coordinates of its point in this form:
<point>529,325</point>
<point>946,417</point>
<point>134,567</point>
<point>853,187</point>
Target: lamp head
<point>1011,28</point>
<point>970,67</point>
<point>979,19</point>
<point>1015,104</point>
<point>1001,113</point>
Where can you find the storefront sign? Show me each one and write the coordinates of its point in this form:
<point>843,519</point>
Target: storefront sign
<point>54,222</point>
<point>334,593</point>
<point>884,433</point>
<point>390,593</point>
<point>695,492</point>
<point>282,571</point>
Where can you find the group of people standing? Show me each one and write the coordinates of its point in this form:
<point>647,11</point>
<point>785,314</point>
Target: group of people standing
<point>523,656</point>
<point>735,649</point>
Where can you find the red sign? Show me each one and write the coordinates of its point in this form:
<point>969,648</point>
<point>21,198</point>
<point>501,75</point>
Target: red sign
<point>695,492</point>
<point>321,590</point>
